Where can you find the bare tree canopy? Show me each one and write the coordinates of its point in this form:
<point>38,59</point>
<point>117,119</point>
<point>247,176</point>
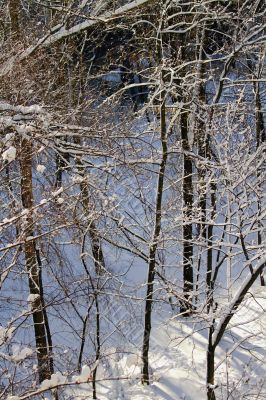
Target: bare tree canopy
<point>132,201</point>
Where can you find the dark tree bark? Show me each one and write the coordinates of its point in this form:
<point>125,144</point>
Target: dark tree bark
<point>209,280</point>
<point>14,11</point>
<point>154,242</point>
<point>186,306</point>
<point>261,138</point>
<point>188,278</point>
<point>45,315</point>
<point>210,366</point>
<point>32,266</point>
<point>98,346</point>
<point>40,318</point>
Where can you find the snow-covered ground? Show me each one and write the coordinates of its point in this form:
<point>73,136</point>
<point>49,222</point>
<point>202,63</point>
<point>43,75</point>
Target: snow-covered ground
<point>178,361</point>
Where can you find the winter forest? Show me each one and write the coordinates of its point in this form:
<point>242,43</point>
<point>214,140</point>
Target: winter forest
<point>133,199</point>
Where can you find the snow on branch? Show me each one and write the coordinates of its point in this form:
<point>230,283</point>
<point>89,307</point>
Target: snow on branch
<point>34,109</point>
<point>236,301</point>
<point>106,17</point>
<point>59,33</point>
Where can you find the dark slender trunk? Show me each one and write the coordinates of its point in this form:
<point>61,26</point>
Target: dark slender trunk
<point>83,339</point>
<point>261,138</point>
<point>98,347</point>
<point>209,280</point>
<point>200,139</point>
<point>46,320</point>
<point>145,379</point>
<point>32,267</point>
<point>32,263</point>
<point>203,139</point>
<point>14,6</point>
<point>186,306</point>
<point>210,367</point>
<point>201,142</point>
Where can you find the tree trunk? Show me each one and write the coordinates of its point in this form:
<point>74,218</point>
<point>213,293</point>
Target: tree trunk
<point>210,372</point>
<point>40,319</point>
<point>45,315</point>
<point>154,242</point>
<point>209,280</point>
<point>200,139</point>
<point>14,6</point>
<point>186,306</point>
<point>98,346</point>
<point>261,138</point>
<point>32,263</point>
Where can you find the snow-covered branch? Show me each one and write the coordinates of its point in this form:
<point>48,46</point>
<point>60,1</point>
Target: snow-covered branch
<point>236,301</point>
<point>58,33</point>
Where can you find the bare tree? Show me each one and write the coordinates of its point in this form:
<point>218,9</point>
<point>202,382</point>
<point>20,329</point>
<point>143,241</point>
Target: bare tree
<point>132,189</point>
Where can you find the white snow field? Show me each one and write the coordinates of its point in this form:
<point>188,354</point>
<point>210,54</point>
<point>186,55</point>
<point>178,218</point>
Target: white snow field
<point>178,361</point>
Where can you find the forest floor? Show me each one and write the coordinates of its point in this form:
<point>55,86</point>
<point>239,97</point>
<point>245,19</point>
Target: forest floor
<point>178,360</point>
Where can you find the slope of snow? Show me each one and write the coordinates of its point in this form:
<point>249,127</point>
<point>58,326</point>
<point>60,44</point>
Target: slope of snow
<point>178,361</point>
